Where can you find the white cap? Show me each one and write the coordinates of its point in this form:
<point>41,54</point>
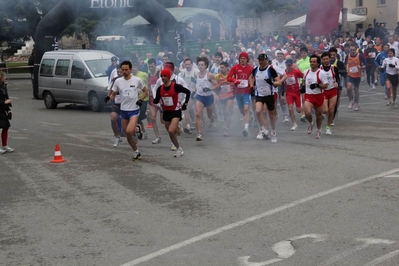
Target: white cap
<point>365,43</point>
<point>278,52</point>
<point>293,52</point>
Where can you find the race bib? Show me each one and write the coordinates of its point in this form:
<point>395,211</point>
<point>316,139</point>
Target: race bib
<point>290,81</point>
<point>118,99</point>
<point>372,54</point>
<point>354,69</point>
<point>129,93</point>
<point>264,91</point>
<point>225,88</point>
<point>167,101</point>
<point>243,84</point>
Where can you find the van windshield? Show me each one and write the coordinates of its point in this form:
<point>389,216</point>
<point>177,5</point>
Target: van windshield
<point>98,67</point>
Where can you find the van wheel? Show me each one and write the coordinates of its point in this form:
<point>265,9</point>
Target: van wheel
<point>49,100</point>
<point>95,103</point>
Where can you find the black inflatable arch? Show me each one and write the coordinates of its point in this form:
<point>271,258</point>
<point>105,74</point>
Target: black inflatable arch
<point>66,11</point>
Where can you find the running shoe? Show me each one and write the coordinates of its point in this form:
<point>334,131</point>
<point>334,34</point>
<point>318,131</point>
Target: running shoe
<point>388,104</point>
<point>294,127</point>
<point>373,87</point>
<point>156,141</point>
<point>303,119</point>
<point>318,134</point>
<point>274,137</point>
<point>260,135</point>
<point>136,156</point>
<point>245,132</point>
<point>179,129</point>
<point>350,105</point>
<point>2,151</point>
<point>385,97</point>
<point>139,132</point>
<point>187,130</point>
<point>328,130</point>
<point>266,135</point>
<point>310,128</point>
<point>173,147</point>
<point>199,137</point>
<point>357,107</point>
<point>179,153</point>
<point>376,83</point>
<point>145,135</point>
<point>117,141</point>
<point>332,123</point>
<point>286,119</point>
<point>370,87</point>
<point>394,106</point>
<point>226,133</point>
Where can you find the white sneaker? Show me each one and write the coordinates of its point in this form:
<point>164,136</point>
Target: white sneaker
<point>318,133</point>
<point>260,135</point>
<point>294,127</point>
<point>199,137</point>
<point>350,105</point>
<point>332,123</point>
<point>357,107</point>
<point>2,151</point>
<point>328,130</point>
<point>394,105</point>
<point>117,141</point>
<point>273,138</point>
<point>179,152</point>
<point>373,87</point>
<point>156,141</point>
<point>173,147</point>
<point>8,149</point>
<point>286,119</point>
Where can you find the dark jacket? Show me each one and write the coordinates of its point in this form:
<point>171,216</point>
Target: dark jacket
<point>4,108</point>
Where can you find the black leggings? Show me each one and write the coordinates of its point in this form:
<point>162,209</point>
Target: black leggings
<point>370,73</point>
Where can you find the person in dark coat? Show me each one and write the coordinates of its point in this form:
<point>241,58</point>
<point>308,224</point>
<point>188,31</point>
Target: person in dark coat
<point>5,114</point>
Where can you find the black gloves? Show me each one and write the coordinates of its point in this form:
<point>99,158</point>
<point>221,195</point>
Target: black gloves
<point>314,86</point>
<point>107,98</point>
<point>303,89</point>
<point>269,81</point>
<point>206,89</point>
<point>252,91</point>
<point>184,107</point>
<point>139,102</point>
<point>391,65</point>
<point>193,80</point>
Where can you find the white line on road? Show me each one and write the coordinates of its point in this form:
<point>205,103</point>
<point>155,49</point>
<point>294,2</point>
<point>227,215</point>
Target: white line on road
<point>394,176</point>
<point>383,258</point>
<point>253,219</point>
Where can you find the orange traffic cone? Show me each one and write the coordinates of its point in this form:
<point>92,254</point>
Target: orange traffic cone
<point>149,125</point>
<point>57,155</point>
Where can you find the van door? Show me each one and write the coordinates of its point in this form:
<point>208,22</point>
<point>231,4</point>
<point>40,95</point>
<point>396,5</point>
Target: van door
<point>79,84</point>
<point>62,81</point>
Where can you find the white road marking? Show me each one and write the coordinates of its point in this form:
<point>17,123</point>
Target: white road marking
<point>367,242</point>
<point>383,258</point>
<point>394,176</point>
<point>252,219</point>
<point>283,249</point>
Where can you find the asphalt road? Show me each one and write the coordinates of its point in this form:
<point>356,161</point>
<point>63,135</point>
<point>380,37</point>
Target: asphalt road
<point>227,201</point>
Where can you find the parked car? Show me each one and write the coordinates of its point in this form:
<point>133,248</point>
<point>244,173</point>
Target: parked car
<point>74,76</point>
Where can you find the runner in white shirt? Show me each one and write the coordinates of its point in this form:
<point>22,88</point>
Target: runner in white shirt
<point>128,88</point>
<point>314,82</point>
<point>392,66</point>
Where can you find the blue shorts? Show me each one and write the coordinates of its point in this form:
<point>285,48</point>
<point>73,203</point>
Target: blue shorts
<point>205,100</point>
<point>354,81</point>
<point>126,115</point>
<point>242,100</point>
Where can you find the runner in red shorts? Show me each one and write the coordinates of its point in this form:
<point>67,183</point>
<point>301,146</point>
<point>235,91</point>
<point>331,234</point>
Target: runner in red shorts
<point>314,82</point>
<point>331,92</point>
<point>292,94</point>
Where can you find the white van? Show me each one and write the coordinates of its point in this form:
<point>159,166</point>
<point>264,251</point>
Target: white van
<point>74,76</point>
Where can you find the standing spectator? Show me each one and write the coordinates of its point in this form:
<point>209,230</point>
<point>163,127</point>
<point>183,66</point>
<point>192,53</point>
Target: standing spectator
<point>383,30</point>
<point>370,32</point>
<point>5,113</point>
<point>31,64</point>
<point>397,28</point>
<point>359,39</point>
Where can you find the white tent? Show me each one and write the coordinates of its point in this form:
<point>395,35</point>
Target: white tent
<point>302,20</point>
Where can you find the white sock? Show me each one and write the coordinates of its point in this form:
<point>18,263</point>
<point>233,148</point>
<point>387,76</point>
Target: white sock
<point>246,126</point>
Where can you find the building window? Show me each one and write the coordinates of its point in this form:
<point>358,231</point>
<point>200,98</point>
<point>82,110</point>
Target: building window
<point>359,2</point>
<point>381,2</point>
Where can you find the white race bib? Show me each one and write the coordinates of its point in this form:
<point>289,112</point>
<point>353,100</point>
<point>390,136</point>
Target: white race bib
<point>354,69</point>
<point>243,84</point>
<point>225,88</point>
<point>290,81</point>
<point>167,101</point>
<point>128,93</point>
<point>264,91</point>
<point>118,99</point>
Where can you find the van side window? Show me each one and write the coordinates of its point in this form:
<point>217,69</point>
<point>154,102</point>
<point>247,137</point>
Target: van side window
<point>46,68</point>
<point>78,70</point>
<point>61,68</point>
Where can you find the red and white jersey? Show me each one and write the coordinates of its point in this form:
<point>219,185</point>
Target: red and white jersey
<point>241,73</point>
<point>292,81</point>
<point>311,77</point>
<point>330,77</point>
